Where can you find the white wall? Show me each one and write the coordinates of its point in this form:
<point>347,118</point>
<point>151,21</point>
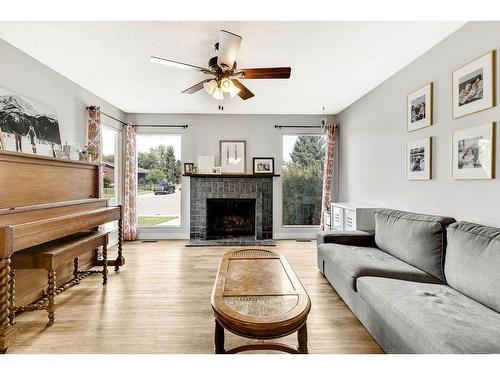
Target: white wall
<point>202,138</point>
<point>373,137</point>
<point>22,74</point>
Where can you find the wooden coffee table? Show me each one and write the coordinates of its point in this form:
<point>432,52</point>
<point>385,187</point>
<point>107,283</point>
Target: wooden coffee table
<point>258,295</point>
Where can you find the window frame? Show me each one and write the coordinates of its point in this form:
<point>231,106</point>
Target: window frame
<point>166,228</point>
<point>310,132</point>
<point>119,193</point>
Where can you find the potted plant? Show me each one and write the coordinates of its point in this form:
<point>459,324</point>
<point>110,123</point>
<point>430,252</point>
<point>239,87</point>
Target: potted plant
<point>87,153</point>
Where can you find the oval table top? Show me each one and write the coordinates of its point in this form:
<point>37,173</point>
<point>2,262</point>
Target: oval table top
<point>258,295</point>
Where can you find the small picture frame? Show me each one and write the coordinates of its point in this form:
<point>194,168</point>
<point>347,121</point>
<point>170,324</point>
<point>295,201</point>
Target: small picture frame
<point>61,154</point>
<point>263,166</point>
<point>473,152</point>
<point>189,168</point>
<point>216,170</point>
<point>419,159</point>
<point>419,108</point>
<point>473,86</point>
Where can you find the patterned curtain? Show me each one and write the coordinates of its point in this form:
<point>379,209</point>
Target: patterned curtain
<point>130,214</point>
<point>94,135</point>
<point>328,171</point>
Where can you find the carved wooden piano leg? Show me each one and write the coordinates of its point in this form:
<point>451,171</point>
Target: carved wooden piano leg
<point>7,331</point>
<point>105,264</point>
<point>76,266</point>
<point>51,295</point>
<point>120,260</point>
<point>12,297</point>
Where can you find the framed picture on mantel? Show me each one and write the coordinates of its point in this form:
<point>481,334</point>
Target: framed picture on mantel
<point>233,157</point>
<point>263,166</point>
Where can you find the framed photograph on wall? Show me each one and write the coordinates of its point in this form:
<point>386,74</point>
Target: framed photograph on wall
<point>419,159</point>
<point>263,166</point>
<point>474,86</point>
<point>474,152</point>
<point>233,156</point>
<point>419,108</point>
<point>27,125</point>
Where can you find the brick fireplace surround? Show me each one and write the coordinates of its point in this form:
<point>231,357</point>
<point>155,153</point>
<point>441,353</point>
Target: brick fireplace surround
<point>260,188</point>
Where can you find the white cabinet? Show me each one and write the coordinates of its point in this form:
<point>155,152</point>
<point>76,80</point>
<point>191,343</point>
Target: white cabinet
<point>337,218</point>
<point>352,216</point>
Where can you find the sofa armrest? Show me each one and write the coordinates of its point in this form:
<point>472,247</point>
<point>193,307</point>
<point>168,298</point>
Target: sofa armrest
<point>352,238</point>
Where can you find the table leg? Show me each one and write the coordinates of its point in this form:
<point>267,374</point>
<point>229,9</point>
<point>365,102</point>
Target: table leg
<point>51,292</point>
<point>302,338</point>
<point>105,265</point>
<point>219,338</point>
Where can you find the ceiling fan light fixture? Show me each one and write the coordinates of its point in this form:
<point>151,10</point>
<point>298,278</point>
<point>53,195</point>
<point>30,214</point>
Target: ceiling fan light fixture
<point>226,85</point>
<point>218,94</point>
<point>210,86</point>
<point>234,91</point>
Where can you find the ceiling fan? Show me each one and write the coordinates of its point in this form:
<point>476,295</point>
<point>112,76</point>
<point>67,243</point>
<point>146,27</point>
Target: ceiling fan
<point>224,70</point>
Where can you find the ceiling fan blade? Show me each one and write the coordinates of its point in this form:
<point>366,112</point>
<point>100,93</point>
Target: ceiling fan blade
<point>244,92</point>
<point>264,73</point>
<point>229,45</point>
<point>176,64</point>
<point>195,88</point>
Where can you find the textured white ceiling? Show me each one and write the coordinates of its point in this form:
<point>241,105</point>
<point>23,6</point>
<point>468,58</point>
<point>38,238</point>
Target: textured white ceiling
<point>333,63</point>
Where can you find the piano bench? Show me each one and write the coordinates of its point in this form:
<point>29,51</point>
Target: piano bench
<point>51,255</point>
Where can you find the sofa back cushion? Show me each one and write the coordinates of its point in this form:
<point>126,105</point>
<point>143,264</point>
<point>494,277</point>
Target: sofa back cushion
<point>417,239</point>
<point>472,264</point>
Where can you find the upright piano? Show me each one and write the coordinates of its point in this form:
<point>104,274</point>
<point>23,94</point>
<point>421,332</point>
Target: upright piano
<point>43,199</point>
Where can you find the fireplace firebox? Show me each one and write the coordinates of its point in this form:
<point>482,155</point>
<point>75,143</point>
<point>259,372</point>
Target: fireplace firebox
<point>230,218</point>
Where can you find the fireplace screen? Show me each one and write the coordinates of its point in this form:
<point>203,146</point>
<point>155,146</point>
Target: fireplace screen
<point>230,218</point>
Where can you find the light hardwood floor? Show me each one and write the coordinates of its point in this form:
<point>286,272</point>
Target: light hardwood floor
<point>160,303</point>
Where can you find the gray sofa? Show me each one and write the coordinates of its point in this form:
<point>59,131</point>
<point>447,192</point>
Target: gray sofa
<point>420,283</point>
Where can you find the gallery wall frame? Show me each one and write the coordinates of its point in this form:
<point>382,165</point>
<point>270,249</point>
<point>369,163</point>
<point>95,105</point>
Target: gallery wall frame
<point>480,76</point>
<point>421,97</point>
<point>419,159</point>
<point>473,152</point>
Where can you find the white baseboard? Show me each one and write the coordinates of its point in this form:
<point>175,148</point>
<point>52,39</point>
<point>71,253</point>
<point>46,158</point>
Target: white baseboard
<point>154,235</point>
<point>295,236</point>
<point>144,234</point>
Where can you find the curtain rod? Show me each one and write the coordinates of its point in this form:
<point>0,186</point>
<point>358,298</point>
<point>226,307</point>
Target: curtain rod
<point>298,126</point>
<point>183,126</point>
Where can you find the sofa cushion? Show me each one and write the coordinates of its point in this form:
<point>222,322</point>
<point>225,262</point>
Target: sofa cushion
<point>472,264</point>
<point>432,318</point>
<point>414,238</point>
<point>369,261</point>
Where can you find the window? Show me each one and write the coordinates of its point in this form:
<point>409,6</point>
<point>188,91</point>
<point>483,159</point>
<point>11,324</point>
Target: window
<point>111,141</point>
<point>158,180</point>
<point>112,184</point>
<point>302,178</point>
